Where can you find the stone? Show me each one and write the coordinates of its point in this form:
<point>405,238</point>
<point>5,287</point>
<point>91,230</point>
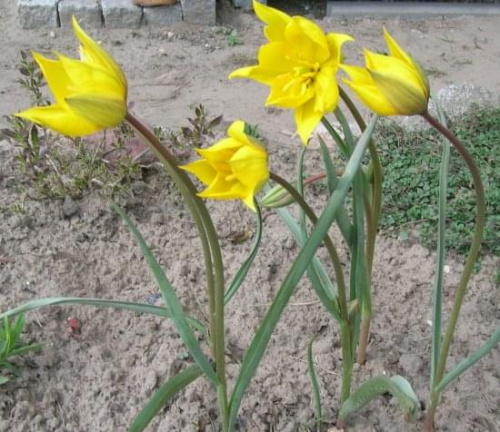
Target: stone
<point>34,14</point>
<point>69,207</point>
<point>246,4</point>
<point>199,11</point>
<point>160,16</point>
<point>121,14</point>
<point>88,13</point>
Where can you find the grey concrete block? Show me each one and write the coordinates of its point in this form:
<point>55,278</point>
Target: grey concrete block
<point>158,16</point>
<point>246,4</point>
<point>407,10</point>
<point>87,12</point>
<point>199,11</point>
<point>37,13</point>
<point>121,14</point>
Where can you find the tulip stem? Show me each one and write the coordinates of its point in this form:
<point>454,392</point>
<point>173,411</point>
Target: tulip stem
<point>468,268</point>
<point>211,251</point>
<point>345,332</point>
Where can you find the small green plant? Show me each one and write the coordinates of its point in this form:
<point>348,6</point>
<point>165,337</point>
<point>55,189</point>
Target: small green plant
<point>198,134</point>
<point>11,345</point>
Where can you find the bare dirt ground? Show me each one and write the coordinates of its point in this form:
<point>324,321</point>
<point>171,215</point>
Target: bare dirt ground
<point>99,380</point>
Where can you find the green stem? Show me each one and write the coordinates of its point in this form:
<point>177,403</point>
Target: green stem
<point>345,333</point>
<point>469,265</point>
<point>211,251</point>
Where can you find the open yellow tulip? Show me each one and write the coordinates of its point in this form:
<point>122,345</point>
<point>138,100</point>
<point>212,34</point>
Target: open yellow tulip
<point>391,84</point>
<point>90,94</point>
<point>233,168</point>
<point>299,65</point>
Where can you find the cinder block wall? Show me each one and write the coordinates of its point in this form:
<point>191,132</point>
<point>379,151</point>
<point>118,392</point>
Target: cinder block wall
<point>112,13</point>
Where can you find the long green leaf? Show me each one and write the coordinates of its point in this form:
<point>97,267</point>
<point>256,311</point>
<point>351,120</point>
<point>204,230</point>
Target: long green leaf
<point>469,361</point>
<point>162,396</point>
<point>135,307</point>
<point>171,299</point>
<point>316,273</point>
<point>300,265</point>
<point>437,302</point>
<point>331,175</point>
<point>314,383</point>
<point>241,274</point>
<point>397,386</point>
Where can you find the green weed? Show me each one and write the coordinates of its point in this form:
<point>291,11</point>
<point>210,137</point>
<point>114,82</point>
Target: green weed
<point>11,345</point>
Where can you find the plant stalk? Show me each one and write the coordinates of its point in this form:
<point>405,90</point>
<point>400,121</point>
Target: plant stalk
<point>211,251</point>
<point>468,268</point>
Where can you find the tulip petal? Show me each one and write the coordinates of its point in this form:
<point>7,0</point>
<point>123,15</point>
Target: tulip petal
<point>307,120</point>
<point>59,119</point>
<point>95,55</point>
<point>406,99</point>
<point>56,76</point>
<point>307,40</point>
<point>395,50</point>
<point>335,42</point>
<point>249,200</point>
<point>102,111</point>
<point>326,90</point>
<point>202,170</point>
<point>249,165</point>
<point>237,132</point>
<point>275,19</point>
<point>88,79</point>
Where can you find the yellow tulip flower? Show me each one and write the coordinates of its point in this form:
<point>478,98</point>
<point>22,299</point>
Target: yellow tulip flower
<point>233,168</point>
<point>391,84</point>
<point>90,93</point>
<point>299,65</point>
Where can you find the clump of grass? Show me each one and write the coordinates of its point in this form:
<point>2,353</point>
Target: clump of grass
<point>411,165</point>
<point>11,345</point>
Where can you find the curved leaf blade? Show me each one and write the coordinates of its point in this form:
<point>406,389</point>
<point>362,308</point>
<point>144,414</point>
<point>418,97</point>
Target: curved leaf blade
<point>162,396</point>
<point>397,386</point>
<point>171,299</point>
<point>116,304</point>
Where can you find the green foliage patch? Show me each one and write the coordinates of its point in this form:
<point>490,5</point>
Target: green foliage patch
<point>411,166</point>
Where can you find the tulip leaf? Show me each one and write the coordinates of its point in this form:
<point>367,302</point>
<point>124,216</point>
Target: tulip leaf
<point>331,175</point>
<point>469,361</point>
<point>117,304</point>
<point>440,252</point>
<point>261,339</point>
<point>397,386</point>
<point>239,277</point>
<point>163,395</point>
<point>316,273</point>
<point>171,299</point>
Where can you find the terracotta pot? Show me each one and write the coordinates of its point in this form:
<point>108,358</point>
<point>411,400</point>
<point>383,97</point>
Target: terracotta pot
<point>153,2</point>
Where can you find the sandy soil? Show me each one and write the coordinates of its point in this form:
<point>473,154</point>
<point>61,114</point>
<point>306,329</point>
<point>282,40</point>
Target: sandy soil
<point>99,380</point>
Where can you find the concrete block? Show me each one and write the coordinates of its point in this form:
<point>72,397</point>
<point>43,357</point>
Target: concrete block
<point>121,14</point>
<point>159,16</point>
<point>246,4</point>
<point>199,11</point>
<point>37,13</point>
<point>87,12</point>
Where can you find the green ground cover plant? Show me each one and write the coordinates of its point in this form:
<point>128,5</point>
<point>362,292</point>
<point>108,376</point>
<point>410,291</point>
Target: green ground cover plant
<point>411,161</point>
